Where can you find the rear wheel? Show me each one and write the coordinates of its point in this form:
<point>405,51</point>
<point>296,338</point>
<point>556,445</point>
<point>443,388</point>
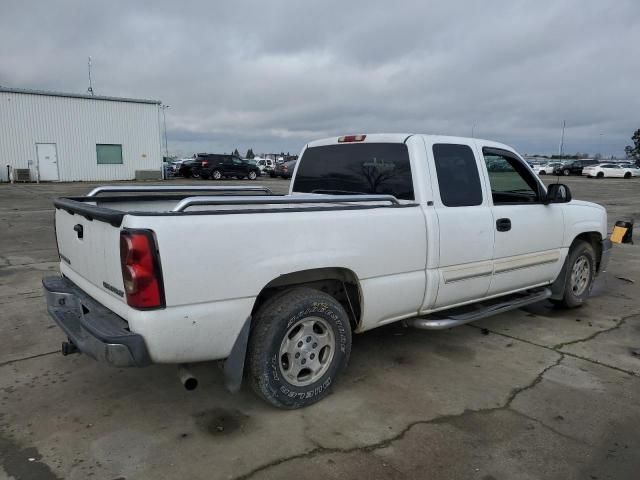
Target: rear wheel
<point>580,274</point>
<point>600,174</point>
<point>542,172</point>
<point>216,175</point>
<point>566,172</point>
<point>300,342</point>
<point>627,175</point>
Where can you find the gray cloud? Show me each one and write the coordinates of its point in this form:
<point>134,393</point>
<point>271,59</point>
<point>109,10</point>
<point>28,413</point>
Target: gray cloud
<point>273,75</point>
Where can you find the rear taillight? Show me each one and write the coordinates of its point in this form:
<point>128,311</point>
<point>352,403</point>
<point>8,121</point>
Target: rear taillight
<point>205,163</point>
<point>141,272</point>
<point>351,138</point>
<point>285,168</point>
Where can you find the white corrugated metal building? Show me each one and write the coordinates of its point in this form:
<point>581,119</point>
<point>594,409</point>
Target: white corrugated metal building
<point>69,137</point>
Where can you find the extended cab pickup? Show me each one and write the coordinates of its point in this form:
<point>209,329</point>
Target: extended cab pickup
<point>434,231</point>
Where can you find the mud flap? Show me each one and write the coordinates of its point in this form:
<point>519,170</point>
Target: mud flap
<point>234,364</point>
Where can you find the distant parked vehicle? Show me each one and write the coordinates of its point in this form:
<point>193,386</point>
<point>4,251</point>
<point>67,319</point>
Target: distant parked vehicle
<point>266,165</point>
<point>610,170</point>
<point>284,170</point>
<point>575,167</point>
<point>546,168</point>
<point>220,166</point>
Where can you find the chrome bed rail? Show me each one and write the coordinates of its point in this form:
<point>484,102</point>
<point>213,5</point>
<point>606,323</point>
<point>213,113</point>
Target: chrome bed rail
<point>280,200</point>
<point>175,188</point>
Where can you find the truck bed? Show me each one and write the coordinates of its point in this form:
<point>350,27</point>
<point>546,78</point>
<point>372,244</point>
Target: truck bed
<point>179,200</point>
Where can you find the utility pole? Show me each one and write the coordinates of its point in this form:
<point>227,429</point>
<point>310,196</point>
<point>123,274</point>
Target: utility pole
<point>561,147</point>
<point>90,89</point>
<point>473,130</point>
<point>164,121</point>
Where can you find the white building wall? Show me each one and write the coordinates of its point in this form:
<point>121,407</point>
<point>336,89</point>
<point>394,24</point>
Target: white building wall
<point>76,125</point>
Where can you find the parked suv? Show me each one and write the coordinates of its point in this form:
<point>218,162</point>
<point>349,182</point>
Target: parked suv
<point>574,168</point>
<point>219,166</point>
<point>193,167</point>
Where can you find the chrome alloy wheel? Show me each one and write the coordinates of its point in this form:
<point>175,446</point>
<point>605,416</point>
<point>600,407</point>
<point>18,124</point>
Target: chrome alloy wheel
<point>580,275</point>
<point>306,351</point>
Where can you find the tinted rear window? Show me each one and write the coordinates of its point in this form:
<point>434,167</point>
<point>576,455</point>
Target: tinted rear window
<point>381,168</point>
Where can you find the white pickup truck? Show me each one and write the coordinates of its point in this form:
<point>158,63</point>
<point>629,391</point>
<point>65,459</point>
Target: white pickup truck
<point>435,231</point>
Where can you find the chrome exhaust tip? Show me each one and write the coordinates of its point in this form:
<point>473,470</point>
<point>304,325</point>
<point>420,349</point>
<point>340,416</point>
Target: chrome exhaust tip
<point>188,380</point>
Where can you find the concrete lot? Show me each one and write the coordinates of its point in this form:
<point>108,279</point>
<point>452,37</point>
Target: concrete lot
<point>533,394</point>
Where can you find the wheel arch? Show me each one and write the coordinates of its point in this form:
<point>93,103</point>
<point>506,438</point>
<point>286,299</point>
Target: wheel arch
<point>339,282</point>
<point>595,240</point>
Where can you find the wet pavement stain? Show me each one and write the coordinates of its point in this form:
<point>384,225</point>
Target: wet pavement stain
<point>220,421</point>
<point>22,463</point>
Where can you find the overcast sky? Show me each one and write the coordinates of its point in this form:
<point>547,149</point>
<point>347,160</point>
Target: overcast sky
<point>273,75</point>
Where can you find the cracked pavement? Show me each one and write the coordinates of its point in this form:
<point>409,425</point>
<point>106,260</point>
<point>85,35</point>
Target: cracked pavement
<point>537,393</point>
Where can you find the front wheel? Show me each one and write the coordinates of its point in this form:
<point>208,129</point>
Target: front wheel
<point>627,175</point>
<point>300,342</point>
<point>580,274</point>
<point>600,175</point>
<point>542,172</point>
<point>252,175</point>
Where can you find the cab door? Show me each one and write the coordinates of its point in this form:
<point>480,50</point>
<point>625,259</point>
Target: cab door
<point>465,223</point>
<point>528,234</point>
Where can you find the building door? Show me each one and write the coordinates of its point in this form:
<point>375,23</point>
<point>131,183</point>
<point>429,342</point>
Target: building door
<point>47,161</point>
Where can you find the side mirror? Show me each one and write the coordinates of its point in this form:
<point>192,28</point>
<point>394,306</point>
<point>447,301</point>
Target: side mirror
<point>558,193</point>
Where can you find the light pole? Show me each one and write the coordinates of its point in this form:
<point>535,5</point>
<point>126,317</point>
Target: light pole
<point>600,144</point>
<point>164,121</point>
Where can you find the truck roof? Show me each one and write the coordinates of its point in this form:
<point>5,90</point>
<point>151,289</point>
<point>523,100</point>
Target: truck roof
<point>402,137</point>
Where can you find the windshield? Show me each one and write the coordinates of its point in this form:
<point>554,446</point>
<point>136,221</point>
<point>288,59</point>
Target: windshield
<point>381,168</point>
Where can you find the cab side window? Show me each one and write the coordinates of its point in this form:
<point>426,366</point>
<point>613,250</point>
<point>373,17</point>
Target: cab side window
<point>511,182</point>
<point>458,175</point>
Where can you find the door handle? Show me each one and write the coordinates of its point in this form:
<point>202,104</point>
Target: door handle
<point>503,224</point>
<point>79,230</point>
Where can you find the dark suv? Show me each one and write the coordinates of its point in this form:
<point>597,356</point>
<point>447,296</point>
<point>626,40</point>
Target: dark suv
<point>574,168</point>
<point>218,166</point>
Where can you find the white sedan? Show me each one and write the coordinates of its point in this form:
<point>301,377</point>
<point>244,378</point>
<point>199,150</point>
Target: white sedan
<point>610,170</point>
<point>545,168</point>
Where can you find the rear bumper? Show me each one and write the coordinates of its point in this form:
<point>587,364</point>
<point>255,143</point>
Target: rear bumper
<point>606,255</point>
<point>92,328</point>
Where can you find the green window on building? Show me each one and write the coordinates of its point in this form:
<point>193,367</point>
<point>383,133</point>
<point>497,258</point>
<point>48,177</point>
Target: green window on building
<point>109,154</point>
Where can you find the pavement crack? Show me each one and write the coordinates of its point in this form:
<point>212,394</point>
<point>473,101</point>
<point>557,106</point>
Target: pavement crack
<point>619,323</point>
<point>400,435</point>
<point>9,362</point>
<point>550,428</point>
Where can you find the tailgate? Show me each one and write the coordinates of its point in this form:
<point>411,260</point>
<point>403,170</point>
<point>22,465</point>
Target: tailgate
<point>91,249</point>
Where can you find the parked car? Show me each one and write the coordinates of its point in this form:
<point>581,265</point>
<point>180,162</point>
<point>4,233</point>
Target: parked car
<point>266,165</point>
<point>546,168</point>
<point>574,167</point>
<point>285,169</point>
<point>191,168</point>
<point>610,170</point>
<point>378,228</point>
<point>220,166</point>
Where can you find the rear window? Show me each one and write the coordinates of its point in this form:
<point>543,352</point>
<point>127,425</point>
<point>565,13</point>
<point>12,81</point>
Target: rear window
<point>378,168</point>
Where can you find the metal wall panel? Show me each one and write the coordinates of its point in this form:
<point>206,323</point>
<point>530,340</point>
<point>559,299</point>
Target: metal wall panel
<point>76,125</point>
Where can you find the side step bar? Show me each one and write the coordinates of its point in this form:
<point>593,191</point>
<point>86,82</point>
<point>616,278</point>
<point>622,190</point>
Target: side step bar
<point>462,315</point>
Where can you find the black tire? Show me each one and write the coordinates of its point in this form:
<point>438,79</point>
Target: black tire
<point>600,174</point>
<point>627,175</point>
<point>195,173</point>
<point>279,320</point>
<point>573,298</point>
<point>566,172</point>
<point>216,174</point>
<point>542,172</point>
<point>252,175</point>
